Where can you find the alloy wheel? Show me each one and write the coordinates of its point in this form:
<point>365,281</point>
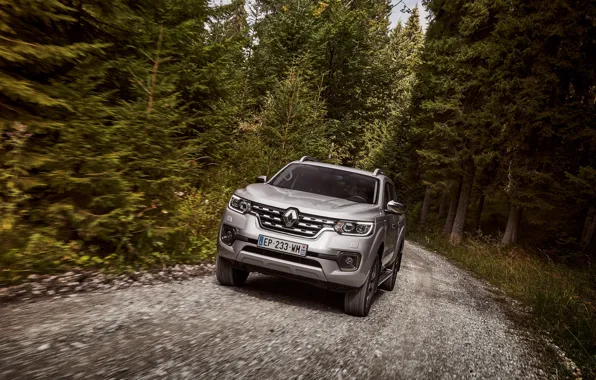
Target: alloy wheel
<point>370,290</point>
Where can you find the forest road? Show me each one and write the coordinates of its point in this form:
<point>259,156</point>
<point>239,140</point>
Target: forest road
<point>439,323</point>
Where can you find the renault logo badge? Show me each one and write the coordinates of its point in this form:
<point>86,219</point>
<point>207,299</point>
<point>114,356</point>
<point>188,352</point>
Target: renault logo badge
<point>290,217</point>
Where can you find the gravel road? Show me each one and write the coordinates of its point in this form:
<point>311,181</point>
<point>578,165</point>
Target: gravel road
<point>439,323</point>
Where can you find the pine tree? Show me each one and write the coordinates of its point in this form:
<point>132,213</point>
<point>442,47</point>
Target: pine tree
<point>448,107</point>
<point>292,122</point>
<point>30,62</point>
<point>119,137</point>
<point>541,103</point>
<point>284,32</point>
<point>346,52</point>
<point>35,98</point>
<point>389,139</point>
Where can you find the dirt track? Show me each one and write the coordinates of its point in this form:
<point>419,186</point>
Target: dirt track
<point>439,323</point>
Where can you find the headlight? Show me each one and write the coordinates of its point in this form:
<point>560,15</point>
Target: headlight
<point>240,205</point>
<point>346,227</point>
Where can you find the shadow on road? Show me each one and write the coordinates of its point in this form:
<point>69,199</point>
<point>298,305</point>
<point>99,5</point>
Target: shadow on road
<point>292,293</point>
<point>295,293</point>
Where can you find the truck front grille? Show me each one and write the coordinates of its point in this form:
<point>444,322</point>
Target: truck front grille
<point>270,218</point>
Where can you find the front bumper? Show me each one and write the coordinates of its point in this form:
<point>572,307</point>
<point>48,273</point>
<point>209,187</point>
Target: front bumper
<point>319,266</point>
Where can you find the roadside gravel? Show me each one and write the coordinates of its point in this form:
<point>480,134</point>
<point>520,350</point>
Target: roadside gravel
<point>439,323</point>
<point>80,281</point>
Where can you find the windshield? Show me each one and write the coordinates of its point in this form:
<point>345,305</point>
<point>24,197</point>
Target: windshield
<point>330,182</point>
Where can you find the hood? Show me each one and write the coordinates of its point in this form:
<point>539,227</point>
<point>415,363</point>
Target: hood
<point>309,203</point>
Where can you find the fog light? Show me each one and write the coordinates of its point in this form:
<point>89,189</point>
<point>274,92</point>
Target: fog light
<point>228,234</point>
<point>348,261</point>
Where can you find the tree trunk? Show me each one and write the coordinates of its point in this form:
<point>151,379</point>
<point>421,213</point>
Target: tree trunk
<point>425,206</point>
<point>457,233</point>
<point>155,68</point>
<point>453,198</point>
<point>442,206</point>
<point>479,212</point>
<point>512,229</point>
<point>519,218</point>
<point>289,116</point>
<point>589,231</point>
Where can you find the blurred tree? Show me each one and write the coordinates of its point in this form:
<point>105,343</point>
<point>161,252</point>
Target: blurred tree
<point>116,116</point>
<point>33,61</point>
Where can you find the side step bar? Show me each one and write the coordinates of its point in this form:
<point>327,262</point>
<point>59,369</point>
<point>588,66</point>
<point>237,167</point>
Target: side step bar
<point>385,275</point>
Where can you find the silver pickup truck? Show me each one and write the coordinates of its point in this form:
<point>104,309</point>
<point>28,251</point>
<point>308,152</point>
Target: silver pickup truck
<point>328,225</point>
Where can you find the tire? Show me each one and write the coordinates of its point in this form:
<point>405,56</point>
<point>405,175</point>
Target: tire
<point>389,284</point>
<point>228,275</point>
<point>401,253</point>
<point>358,302</point>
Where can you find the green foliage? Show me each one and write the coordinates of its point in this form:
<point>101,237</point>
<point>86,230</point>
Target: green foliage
<point>337,47</point>
<point>31,63</point>
<point>196,222</point>
<point>390,140</point>
<point>292,122</point>
<point>504,98</point>
<point>504,94</point>
<point>109,110</point>
<point>42,253</point>
<point>92,175</point>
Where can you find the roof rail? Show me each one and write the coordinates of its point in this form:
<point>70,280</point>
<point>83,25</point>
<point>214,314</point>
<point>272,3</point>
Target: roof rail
<point>308,158</point>
<point>378,171</point>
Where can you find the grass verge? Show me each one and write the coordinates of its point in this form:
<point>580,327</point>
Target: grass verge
<point>562,299</point>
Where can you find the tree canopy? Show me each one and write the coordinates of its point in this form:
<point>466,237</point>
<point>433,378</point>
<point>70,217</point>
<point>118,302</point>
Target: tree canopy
<point>125,125</point>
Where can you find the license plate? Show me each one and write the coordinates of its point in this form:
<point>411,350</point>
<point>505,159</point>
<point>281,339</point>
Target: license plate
<point>282,245</point>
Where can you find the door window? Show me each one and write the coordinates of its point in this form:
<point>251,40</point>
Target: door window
<point>389,193</point>
<point>392,192</point>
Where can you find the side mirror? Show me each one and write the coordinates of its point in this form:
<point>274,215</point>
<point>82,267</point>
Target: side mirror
<point>262,179</point>
<point>395,207</point>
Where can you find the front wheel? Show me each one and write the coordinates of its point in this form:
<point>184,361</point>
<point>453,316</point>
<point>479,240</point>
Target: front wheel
<point>228,275</point>
<point>358,302</point>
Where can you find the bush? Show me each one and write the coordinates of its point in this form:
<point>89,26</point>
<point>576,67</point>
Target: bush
<point>41,254</point>
<point>199,213</point>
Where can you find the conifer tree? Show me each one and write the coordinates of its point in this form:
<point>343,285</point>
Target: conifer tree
<point>535,101</point>
<point>449,106</point>
<point>292,122</point>
<point>390,140</point>
<point>31,63</point>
